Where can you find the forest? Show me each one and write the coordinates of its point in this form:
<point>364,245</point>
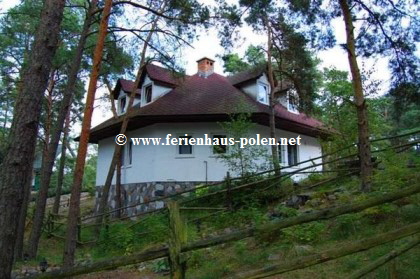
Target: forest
<point>354,212</point>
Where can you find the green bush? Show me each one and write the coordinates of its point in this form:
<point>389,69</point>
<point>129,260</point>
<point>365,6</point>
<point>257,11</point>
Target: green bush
<point>306,233</point>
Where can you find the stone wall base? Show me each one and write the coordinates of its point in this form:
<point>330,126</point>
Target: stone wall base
<point>135,193</point>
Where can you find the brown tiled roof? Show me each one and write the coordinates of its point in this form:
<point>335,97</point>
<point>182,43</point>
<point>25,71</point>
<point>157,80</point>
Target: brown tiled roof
<point>125,85</point>
<point>155,73</point>
<point>199,99</point>
<point>247,75</point>
<point>162,75</point>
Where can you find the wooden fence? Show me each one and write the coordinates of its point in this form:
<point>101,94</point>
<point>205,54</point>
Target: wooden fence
<point>178,245</point>
<point>327,213</point>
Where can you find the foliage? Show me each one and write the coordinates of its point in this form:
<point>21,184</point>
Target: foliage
<point>120,238</point>
<point>306,233</point>
<point>89,176</point>
<point>254,56</point>
<point>293,63</point>
<point>161,265</point>
<point>395,175</point>
<point>336,109</point>
<point>405,111</point>
<point>249,159</point>
<point>384,29</point>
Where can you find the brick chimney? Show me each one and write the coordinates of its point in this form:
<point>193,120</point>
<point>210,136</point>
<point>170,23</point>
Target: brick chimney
<point>205,67</point>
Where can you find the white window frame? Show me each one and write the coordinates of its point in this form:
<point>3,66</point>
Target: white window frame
<point>120,98</point>
<point>130,157</point>
<point>297,156</point>
<point>282,150</point>
<point>144,97</point>
<point>212,146</point>
<point>289,106</point>
<point>260,86</point>
<point>284,155</point>
<point>125,155</point>
<point>182,156</point>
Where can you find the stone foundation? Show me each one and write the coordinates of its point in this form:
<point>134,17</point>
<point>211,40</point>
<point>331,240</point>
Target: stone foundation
<point>135,193</point>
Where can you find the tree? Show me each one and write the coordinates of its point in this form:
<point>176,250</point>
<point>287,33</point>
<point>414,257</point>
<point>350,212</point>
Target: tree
<point>335,107</point>
<point>254,57</point>
<point>60,177</point>
<point>381,33</point>
<point>233,64</point>
<point>405,98</point>
<point>51,148</point>
<point>74,209</point>
<point>288,60</point>
<point>365,155</point>
<point>189,14</point>
<point>244,161</point>
<point>16,168</point>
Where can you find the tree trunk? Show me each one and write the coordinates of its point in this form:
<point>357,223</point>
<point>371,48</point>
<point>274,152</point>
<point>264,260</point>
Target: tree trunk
<point>60,177</point>
<point>362,118</point>
<point>74,210</point>
<point>16,168</point>
<point>117,150</point>
<point>20,236</point>
<point>118,189</point>
<point>272,103</point>
<point>26,198</point>
<point>48,160</point>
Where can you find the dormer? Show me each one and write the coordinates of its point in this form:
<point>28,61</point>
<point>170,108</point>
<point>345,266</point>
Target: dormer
<point>122,103</point>
<point>147,91</point>
<point>289,99</point>
<point>263,90</point>
<point>122,93</point>
<point>257,87</point>
<point>292,100</point>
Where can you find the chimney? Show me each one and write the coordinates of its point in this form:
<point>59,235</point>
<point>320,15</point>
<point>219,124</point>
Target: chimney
<point>205,67</point>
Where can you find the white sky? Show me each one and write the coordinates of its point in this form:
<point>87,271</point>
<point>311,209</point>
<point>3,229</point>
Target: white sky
<point>208,45</point>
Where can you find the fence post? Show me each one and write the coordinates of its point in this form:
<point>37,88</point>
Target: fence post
<point>176,239</point>
<point>229,204</point>
<point>393,269</point>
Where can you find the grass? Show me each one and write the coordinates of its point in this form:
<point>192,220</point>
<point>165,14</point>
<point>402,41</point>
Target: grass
<point>252,208</point>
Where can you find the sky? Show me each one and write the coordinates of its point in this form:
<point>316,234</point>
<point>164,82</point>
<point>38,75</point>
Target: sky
<point>207,45</point>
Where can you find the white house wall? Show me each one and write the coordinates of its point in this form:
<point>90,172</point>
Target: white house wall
<point>251,88</point>
<point>152,163</point>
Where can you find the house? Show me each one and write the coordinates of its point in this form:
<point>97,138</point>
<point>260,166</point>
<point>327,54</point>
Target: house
<point>193,107</point>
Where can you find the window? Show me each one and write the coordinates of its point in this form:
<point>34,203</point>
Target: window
<point>130,153</point>
<point>292,155</point>
<point>123,103</point>
<point>219,144</point>
<point>148,94</point>
<point>282,153</point>
<point>184,148</point>
<point>126,155</point>
<point>262,93</point>
<point>293,101</point>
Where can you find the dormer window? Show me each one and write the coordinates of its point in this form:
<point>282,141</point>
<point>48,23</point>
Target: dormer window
<point>122,104</point>
<point>263,92</point>
<point>292,101</point>
<point>148,94</point>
